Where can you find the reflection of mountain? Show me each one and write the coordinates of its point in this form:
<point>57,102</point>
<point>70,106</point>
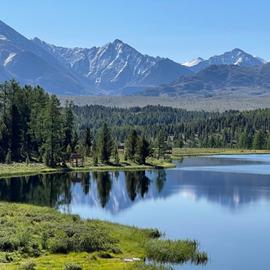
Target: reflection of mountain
<point>119,191</point>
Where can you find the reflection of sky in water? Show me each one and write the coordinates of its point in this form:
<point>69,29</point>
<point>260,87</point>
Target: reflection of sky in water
<point>253,169</point>
<point>250,164</point>
<point>253,157</point>
<point>194,204</point>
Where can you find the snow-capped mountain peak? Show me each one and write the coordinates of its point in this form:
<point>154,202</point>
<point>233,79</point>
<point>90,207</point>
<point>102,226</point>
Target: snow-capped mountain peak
<point>234,57</point>
<point>193,62</point>
<point>115,66</point>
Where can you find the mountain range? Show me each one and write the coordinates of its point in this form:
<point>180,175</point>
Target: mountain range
<point>235,57</point>
<point>217,80</point>
<point>118,69</point>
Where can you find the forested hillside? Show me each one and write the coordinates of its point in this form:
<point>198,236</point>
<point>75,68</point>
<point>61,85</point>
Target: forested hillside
<point>34,127</point>
<point>248,129</point>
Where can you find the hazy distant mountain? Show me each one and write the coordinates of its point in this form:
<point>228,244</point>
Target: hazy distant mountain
<point>116,66</point>
<point>23,60</point>
<point>111,69</point>
<point>216,79</point>
<point>118,69</point>
<point>235,57</point>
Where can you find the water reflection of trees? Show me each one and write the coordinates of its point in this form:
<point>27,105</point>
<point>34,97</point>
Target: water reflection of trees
<point>55,190</point>
<point>104,186</point>
<point>161,179</point>
<point>45,190</point>
<point>136,182</point>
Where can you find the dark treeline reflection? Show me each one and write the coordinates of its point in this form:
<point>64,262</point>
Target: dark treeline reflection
<point>136,183</point>
<point>46,190</point>
<point>117,191</point>
<point>55,190</point>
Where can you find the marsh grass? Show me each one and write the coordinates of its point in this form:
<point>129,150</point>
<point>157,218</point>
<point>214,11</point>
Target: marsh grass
<point>179,251</point>
<point>52,240</point>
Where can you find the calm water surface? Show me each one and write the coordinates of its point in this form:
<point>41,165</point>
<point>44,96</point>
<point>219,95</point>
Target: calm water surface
<point>222,201</point>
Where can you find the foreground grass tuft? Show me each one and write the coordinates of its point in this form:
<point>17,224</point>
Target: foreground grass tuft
<point>174,251</point>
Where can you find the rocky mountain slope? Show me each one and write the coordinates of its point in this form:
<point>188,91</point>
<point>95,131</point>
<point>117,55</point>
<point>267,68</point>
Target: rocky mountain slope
<point>116,67</point>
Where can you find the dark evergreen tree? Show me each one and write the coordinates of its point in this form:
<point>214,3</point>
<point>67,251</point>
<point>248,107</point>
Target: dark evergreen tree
<point>68,125</point>
<point>116,155</point>
<point>268,142</point>
<point>75,142</point>
<point>143,150</point>
<point>87,141</point>
<point>53,135</point>
<point>105,144</point>
<point>14,133</point>
<point>259,141</point>
<point>161,145</point>
<point>244,141</point>
<point>131,144</point>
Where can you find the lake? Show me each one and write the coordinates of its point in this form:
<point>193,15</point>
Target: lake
<point>221,201</point>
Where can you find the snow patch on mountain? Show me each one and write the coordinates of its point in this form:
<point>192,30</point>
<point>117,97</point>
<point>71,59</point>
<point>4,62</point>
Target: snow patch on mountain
<point>2,37</point>
<point>193,62</point>
<point>9,59</point>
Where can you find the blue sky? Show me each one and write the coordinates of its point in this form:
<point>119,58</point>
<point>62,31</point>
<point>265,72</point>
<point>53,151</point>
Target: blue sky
<point>178,29</point>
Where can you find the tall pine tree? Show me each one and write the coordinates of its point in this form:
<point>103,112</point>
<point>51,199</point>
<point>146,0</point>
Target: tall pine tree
<point>105,144</point>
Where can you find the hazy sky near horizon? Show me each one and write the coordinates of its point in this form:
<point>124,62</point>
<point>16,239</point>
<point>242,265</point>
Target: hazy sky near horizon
<point>178,29</point>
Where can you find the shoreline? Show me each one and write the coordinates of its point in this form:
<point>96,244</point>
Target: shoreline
<point>179,153</point>
<point>22,169</point>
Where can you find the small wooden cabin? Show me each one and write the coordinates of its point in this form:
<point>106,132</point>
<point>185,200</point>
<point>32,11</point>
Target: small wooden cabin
<point>76,160</point>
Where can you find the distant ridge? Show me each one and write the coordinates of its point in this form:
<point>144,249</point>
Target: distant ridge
<point>235,57</point>
<point>218,80</point>
<point>118,69</point>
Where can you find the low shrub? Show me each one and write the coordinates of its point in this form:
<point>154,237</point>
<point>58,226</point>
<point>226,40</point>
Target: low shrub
<point>72,266</point>
<point>142,266</point>
<point>29,265</point>
<point>9,243</point>
<point>105,255</point>
<point>154,233</point>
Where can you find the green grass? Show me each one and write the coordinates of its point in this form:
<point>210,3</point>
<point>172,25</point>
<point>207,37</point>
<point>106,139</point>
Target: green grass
<point>181,152</point>
<point>19,169</point>
<point>46,239</point>
<point>24,169</point>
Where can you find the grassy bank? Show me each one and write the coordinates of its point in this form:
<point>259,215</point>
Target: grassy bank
<point>46,239</point>
<point>18,169</point>
<point>24,169</point>
<point>182,152</point>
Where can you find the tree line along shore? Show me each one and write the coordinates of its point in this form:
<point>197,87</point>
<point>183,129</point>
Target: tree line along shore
<point>38,135</point>
<point>35,129</point>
